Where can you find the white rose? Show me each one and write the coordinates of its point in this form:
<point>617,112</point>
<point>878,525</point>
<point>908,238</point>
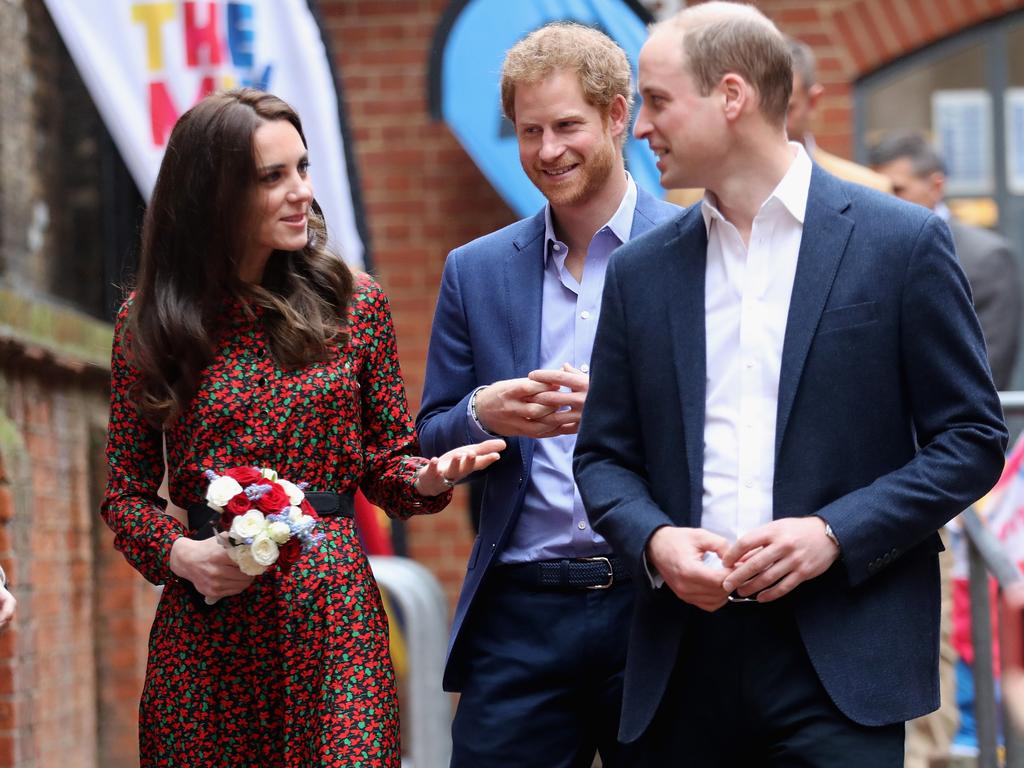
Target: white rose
<point>269,474</point>
<point>249,525</point>
<point>245,561</point>
<point>221,491</point>
<point>264,550</point>
<point>295,514</point>
<point>279,532</point>
<point>295,494</point>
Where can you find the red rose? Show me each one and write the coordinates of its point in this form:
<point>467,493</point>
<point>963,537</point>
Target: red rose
<point>289,553</point>
<point>238,505</point>
<point>273,501</point>
<point>244,475</point>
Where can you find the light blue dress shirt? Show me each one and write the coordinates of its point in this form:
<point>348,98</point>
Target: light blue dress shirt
<point>553,523</point>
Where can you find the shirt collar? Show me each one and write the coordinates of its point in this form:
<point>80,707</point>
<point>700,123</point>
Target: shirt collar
<point>620,224</point>
<point>791,191</point>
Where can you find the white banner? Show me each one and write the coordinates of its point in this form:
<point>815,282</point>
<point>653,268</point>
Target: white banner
<point>145,63</point>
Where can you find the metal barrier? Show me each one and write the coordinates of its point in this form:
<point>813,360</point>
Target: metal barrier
<point>986,556</point>
<point>427,708</point>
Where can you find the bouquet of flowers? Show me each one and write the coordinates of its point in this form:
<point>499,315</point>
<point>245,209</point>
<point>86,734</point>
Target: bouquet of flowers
<point>266,519</point>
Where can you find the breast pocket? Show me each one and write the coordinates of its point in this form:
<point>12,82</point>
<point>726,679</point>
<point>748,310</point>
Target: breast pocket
<point>850,316</point>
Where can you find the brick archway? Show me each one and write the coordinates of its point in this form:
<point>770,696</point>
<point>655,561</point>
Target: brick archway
<point>852,38</point>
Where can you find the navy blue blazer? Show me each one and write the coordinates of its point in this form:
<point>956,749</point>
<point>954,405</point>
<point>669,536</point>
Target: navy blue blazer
<point>487,328</point>
<point>888,425</point>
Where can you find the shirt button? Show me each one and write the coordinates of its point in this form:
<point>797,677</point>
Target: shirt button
<point>750,363</point>
<point>581,525</point>
<point>584,314</point>
<point>748,483</point>
<point>557,247</point>
<point>585,368</point>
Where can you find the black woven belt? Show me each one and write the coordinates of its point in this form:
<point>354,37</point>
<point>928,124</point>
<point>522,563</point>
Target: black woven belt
<point>579,573</point>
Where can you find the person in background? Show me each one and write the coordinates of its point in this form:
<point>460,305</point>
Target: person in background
<point>245,345</point>
<point>918,175</point>
<point>803,107</point>
<point>789,397</point>
<point>539,634</point>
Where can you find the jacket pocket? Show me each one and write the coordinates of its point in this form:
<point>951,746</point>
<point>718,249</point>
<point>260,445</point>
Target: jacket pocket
<point>850,316</point>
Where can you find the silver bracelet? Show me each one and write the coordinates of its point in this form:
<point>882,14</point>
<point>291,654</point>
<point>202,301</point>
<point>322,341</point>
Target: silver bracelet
<point>472,407</point>
<point>472,411</point>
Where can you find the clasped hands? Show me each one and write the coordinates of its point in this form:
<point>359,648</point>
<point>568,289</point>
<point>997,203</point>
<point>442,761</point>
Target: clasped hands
<point>769,561</point>
<point>544,404</point>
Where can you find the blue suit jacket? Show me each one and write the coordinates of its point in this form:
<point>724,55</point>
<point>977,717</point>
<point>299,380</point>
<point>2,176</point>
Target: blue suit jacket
<point>888,425</point>
<point>487,328</point>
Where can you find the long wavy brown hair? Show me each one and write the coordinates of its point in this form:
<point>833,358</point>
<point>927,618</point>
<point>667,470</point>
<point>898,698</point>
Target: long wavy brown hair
<point>195,234</point>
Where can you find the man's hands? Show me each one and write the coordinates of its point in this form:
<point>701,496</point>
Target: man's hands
<point>769,562</point>
<point>678,556</point>
<point>207,565</point>
<point>773,560</point>
<point>537,406</point>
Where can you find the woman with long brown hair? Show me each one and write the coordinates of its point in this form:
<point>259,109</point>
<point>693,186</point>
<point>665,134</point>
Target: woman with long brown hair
<point>246,344</point>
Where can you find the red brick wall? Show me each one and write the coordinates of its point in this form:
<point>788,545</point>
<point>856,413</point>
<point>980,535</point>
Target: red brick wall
<point>71,665</point>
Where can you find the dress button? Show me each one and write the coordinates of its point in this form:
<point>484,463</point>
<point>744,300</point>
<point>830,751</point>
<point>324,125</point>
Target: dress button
<point>262,381</point>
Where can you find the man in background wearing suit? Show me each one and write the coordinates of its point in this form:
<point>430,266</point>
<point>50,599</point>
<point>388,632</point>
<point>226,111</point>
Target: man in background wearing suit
<point>803,104</point>
<point>918,175</point>
<point>539,635</point>
<point>789,396</point>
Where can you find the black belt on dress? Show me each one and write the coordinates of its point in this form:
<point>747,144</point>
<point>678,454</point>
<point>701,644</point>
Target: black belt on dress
<point>579,573</point>
<point>202,521</point>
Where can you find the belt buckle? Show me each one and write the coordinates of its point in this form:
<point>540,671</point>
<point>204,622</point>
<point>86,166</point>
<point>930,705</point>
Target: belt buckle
<point>611,573</point>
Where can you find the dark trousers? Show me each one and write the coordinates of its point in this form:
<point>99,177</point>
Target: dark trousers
<point>744,695</point>
<point>544,682</point>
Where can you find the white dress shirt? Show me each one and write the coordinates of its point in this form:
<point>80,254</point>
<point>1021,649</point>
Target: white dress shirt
<point>746,304</point>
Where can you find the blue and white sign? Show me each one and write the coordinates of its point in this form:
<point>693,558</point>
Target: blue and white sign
<point>469,48</point>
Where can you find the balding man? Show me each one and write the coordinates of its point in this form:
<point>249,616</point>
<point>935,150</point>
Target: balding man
<point>789,396</point>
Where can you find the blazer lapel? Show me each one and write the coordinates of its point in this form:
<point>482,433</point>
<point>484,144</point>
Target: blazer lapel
<point>686,257</point>
<point>523,290</point>
<point>825,235</point>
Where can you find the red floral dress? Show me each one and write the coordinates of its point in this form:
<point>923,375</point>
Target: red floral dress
<point>295,671</point>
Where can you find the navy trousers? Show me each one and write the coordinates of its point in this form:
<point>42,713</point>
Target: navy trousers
<point>544,682</point>
<point>744,695</point>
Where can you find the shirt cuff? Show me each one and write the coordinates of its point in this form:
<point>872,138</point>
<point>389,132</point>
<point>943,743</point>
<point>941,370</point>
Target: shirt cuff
<point>652,574</point>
